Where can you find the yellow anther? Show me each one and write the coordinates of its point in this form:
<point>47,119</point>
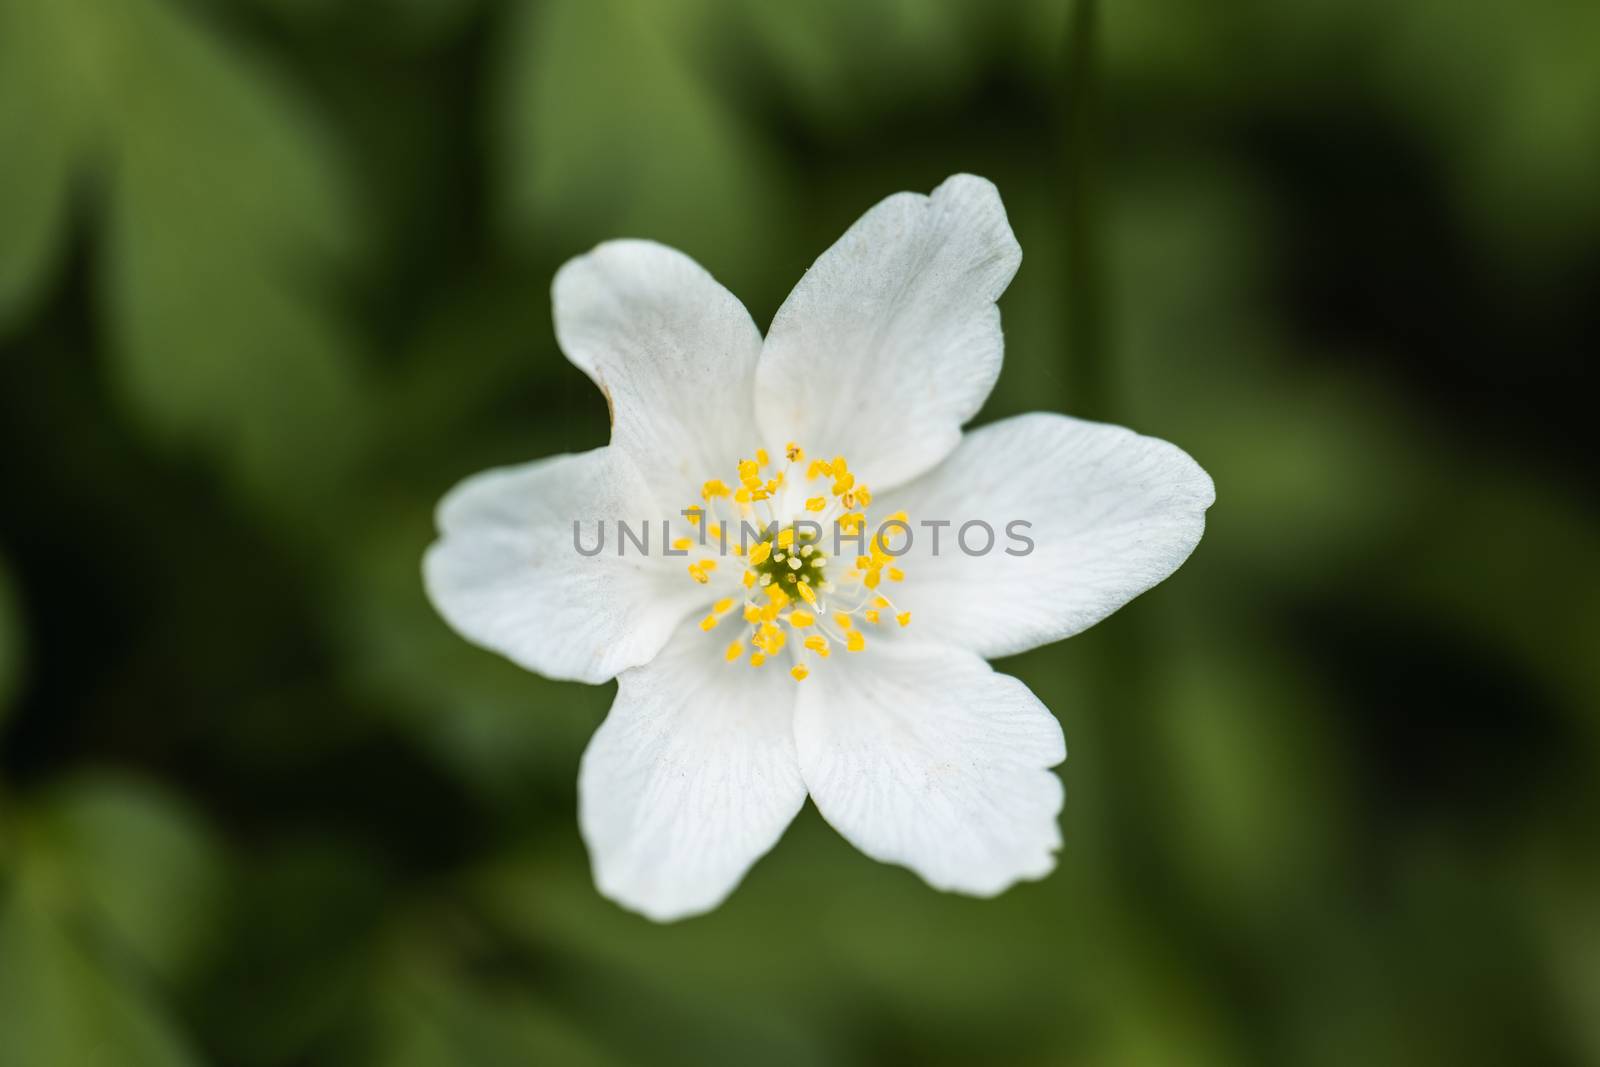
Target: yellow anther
<point>770,638</point>
<point>799,671</point>
<point>792,570</point>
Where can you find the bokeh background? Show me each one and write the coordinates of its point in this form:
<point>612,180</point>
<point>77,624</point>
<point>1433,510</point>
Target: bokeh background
<point>274,275</point>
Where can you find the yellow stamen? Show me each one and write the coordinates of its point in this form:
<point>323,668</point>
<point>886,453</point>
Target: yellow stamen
<point>800,583</point>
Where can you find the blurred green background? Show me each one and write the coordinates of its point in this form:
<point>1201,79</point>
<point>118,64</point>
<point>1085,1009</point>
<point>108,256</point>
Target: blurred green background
<point>274,275</point>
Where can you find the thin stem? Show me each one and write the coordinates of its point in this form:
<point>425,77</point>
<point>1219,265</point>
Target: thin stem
<point>1088,356</point>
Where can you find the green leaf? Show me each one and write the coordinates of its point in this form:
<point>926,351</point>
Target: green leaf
<point>59,1005</point>
<point>134,864</point>
<point>588,154</point>
<point>107,895</point>
<point>427,1015</point>
<point>919,52</point>
<point>40,135</point>
<point>224,215</point>
<point>384,20</point>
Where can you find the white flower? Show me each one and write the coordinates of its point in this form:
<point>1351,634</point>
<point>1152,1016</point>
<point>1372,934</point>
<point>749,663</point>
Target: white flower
<point>878,702</point>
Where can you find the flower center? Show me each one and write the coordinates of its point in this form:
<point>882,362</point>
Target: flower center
<point>793,523</point>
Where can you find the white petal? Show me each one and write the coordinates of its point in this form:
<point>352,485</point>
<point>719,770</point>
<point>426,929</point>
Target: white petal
<point>927,758</point>
<point>691,778</point>
<point>1111,512</point>
<point>674,352</point>
<point>506,575</point>
<point>892,339</point>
